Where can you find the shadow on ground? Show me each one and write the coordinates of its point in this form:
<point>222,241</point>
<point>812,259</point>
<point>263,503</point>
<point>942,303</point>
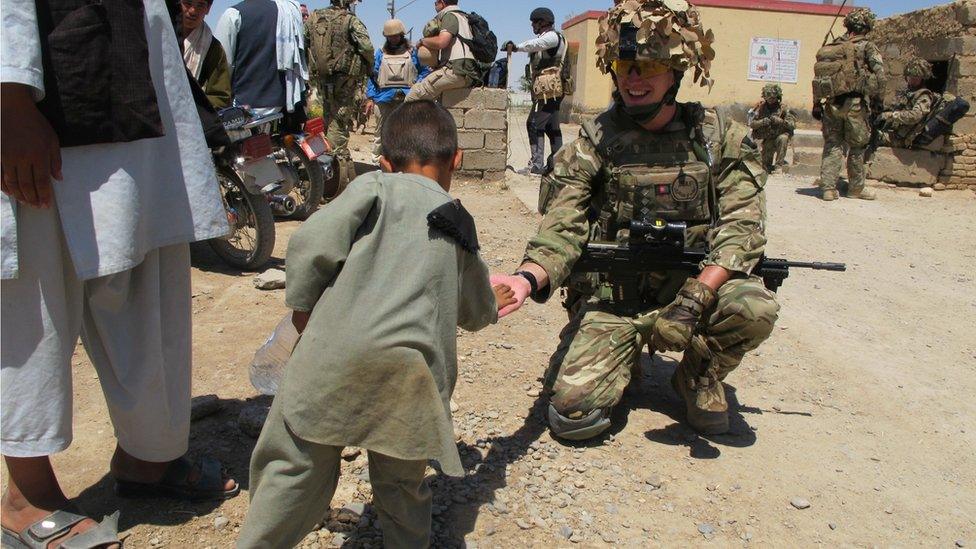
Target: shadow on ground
<point>216,435</point>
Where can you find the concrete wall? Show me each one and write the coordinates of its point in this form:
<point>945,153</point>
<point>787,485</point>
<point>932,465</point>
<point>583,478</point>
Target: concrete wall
<point>942,33</point>
<point>735,23</point>
<point>482,122</point>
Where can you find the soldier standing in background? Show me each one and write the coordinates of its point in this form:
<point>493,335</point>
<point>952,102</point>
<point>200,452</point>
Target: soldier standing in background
<point>774,123</point>
<point>547,60</point>
<point>651,158</point>
<point>396,69</point>
<point>848,82</point>
<point>906,120</point>
<point>341,55</point>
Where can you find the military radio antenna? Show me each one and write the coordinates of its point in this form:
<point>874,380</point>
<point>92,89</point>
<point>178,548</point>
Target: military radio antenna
<point>830,33</point>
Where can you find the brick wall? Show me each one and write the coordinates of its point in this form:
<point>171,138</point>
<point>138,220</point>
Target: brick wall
<point>482,122</point>
<point>942,33</point>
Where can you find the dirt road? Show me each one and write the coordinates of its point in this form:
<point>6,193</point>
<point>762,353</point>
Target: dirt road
<point>861,405</point>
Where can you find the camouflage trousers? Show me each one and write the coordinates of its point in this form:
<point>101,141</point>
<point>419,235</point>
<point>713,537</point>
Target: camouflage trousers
<point>774,150</point>
<point>338,93</point>
<point>846,125</point>
<point>599,349</point>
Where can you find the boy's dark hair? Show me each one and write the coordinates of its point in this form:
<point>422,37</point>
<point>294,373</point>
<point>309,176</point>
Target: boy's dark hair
<point>419,131</point>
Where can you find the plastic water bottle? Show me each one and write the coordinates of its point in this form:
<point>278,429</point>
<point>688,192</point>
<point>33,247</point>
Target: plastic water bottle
<point>269,362</point>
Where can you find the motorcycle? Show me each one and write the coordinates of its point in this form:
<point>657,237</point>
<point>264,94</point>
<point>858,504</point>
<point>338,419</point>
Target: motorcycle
<point>249,179</point>
<point>303,160</point>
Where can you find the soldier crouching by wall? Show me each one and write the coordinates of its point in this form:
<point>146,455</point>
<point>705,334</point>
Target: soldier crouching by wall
<point>906,120</point>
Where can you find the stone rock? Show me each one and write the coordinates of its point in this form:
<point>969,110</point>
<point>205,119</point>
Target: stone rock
<point>706,529</point>
<point>654,481</point>
<point>480,119</point>
<point>800,503</point>
<point>454,407</point>
<point>480,160</point>
<point>220,522</point>
<point>496,141</point>
<point>939,187</point>
<point>203,406</point>
<point>251,419</point>
<point>350,453</point>
<point>471,140</point>
<point>565,531</point>
<point>925,192</point>
<point>905,166</point>
<point>272,279</point>
<point>832,525</point>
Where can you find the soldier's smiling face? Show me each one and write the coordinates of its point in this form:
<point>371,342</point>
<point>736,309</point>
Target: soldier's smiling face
<point>638,89</point>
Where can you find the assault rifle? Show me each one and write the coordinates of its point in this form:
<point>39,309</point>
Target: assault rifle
<point>660,246</point>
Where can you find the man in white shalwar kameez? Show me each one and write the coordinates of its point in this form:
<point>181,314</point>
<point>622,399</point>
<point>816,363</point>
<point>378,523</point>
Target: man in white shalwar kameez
<point>95,243</point>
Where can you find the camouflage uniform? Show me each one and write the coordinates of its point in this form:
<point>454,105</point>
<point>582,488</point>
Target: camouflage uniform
<point>338,71</point>
<point>592,195</point>
<point>774,124</point>
<point>911,109</point>
<point>846,117</point>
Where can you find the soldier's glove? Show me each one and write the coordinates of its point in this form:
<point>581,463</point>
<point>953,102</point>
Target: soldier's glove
<point>817,112</point>
<point>676,324</point>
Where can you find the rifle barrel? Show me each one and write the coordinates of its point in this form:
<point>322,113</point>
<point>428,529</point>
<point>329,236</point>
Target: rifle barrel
<point>817,266</point>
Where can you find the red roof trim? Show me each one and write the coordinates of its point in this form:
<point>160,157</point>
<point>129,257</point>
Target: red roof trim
<point>592,14</point>
<point>761,5</point>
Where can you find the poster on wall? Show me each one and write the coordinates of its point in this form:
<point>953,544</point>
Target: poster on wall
<point>774,59</point>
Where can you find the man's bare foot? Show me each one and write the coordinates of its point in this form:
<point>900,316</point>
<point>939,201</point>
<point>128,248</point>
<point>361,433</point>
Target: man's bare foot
<point>32,494</point>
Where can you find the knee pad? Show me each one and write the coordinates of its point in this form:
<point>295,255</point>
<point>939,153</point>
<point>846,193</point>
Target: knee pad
<point>588,426</point>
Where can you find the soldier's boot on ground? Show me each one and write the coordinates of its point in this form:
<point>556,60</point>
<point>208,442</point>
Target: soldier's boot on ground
<point>704,396</point>
<point>578,425</point>
<point>829,194</point>
<point>864,194</point>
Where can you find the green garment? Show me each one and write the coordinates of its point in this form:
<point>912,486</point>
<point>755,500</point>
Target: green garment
<point>907,117</point>
<point>215,76</point>
<point>292,482</point>
<point>847,126</point>
<point>338,94</point>
<point>377,364</point>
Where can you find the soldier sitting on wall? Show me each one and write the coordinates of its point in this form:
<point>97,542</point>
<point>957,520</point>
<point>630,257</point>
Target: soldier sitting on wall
<point>913,105</point>
<point>774,124</point>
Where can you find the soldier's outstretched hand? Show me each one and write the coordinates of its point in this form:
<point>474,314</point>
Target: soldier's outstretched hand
<point>520,291</point>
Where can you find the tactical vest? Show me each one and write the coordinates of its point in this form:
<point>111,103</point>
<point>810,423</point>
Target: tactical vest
<point>909,133</point>
<point>841,70</point>
<point>397,71</point>
<point>662,175</point>
<point>549,72</point>
<point>331,49</point>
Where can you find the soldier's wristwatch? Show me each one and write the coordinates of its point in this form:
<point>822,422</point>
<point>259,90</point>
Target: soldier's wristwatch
<point>533,283</point>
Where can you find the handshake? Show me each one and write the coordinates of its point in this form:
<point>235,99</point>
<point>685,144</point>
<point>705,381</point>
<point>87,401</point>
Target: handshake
<point>671,328</point>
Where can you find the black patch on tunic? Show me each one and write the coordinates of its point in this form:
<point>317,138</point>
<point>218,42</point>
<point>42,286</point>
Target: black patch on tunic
<point>454,221</point>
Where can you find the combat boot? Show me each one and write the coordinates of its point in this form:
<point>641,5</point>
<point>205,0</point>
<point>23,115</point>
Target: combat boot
<point>704,396</point>
<point>864,194</point>
<point>829,195</point>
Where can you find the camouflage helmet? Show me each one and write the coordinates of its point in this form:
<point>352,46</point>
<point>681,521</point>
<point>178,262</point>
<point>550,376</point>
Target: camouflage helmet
<point>918,67</point>
<point>772,90</point>
<point>343,3</point>
<point>664,30</point>
<point>860,20</point>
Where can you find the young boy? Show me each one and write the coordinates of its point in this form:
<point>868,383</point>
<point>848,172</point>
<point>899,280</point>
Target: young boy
<point>378,281</point>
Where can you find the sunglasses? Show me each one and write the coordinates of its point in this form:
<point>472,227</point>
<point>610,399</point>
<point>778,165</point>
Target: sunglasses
<point>644,68</point>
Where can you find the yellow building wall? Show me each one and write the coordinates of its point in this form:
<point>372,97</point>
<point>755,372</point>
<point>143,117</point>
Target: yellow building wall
<point>734,31</point>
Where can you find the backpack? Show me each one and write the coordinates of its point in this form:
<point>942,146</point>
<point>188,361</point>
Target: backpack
<point>397,71</point>
<point>483,43</point>
<point>331,50</point>
<point>945,112</point>
<point>839,70</point>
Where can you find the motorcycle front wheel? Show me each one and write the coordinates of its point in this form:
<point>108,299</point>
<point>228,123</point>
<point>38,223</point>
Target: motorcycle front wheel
<point>252,237</point>
<point>311,183</point>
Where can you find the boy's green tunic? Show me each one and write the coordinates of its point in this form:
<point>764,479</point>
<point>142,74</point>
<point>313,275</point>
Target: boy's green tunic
<point>377,363</point>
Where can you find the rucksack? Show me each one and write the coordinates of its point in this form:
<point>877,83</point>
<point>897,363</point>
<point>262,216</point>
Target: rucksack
<point>945,112</point>
<point>837,71</point>
<point>483,43</point>
<point>330,49</point>
<point>397,71</point>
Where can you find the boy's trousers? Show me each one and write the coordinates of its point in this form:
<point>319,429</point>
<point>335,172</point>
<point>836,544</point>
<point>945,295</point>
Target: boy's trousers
<point>293,481</point>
